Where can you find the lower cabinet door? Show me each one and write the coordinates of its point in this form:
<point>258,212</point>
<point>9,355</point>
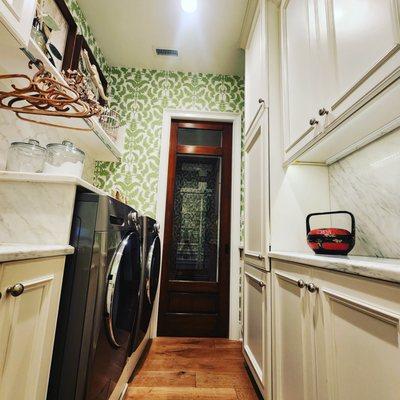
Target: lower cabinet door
<point>293,338</point>
<point>27,325</point>
<point>256,334</point>
<point>357,337</point>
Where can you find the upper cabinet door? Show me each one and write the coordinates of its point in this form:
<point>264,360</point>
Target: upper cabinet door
<point>364,43</point>
<point>255,67</point>
<point>17,17</point>
<point>256,222</point>
<point>300,78</point>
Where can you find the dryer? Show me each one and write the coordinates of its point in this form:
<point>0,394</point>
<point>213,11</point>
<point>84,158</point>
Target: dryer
<point>100,300</point>
<point>151,263</point>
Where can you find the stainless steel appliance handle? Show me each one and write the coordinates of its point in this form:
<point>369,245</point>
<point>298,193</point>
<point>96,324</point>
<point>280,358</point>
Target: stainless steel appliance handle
<point>113,272</point>
<point>148,267</point>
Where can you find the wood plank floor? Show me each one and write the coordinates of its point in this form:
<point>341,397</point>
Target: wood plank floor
<point>192,369</point>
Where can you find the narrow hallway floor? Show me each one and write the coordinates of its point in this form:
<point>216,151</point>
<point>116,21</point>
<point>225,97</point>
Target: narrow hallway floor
<point>191,368</point>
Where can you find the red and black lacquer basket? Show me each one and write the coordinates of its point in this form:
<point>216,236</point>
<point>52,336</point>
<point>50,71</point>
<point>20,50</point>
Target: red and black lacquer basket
<point>334,241</point>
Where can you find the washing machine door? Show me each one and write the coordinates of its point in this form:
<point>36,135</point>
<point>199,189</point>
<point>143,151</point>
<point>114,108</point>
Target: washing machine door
<point>153,270</point>
<point>119,293</point>
<point>122,299</point>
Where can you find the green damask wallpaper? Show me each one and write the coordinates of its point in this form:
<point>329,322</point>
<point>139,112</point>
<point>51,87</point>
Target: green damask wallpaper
<point>141,97</point>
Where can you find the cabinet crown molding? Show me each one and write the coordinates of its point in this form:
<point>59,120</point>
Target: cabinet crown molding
<point>247,23</point>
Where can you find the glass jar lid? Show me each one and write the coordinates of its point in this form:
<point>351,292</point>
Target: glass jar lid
<point>66,145</point>
<point>31,144</point>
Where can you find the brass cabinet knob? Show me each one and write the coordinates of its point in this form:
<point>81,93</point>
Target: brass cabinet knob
<point>323,111</point>
<point>301,284</point>
<point>313,122</point>
<point>312,288</point>
<point>16,290</point>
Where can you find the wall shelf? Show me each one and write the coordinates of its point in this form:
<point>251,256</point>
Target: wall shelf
<point>95,142</point>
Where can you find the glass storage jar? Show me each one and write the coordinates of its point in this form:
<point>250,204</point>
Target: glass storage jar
<point>64,159</point>
<point>26,156</point>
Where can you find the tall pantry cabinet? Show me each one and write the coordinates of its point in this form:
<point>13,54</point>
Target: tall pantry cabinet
<point>256,279</point>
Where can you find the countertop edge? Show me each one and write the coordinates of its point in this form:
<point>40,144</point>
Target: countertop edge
<point>28,252</point>
<point>8,176</point>
<point>370,267</point>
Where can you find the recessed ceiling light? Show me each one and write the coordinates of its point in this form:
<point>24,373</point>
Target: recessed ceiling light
<point>190,6</point>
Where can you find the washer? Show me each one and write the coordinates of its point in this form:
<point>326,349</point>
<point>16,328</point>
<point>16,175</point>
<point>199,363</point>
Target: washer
<point>99,301</point>
<point>151,264</point>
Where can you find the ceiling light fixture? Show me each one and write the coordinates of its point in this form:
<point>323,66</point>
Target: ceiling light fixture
<point>189,6</point>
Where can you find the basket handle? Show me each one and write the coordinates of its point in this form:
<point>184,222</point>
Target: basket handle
<point>353,221</point>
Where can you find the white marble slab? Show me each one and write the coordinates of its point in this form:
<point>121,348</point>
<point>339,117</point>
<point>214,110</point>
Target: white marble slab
<point>386,269</point>
<point>37,208</point>
<point>19,251</point>
<point>367,183</point>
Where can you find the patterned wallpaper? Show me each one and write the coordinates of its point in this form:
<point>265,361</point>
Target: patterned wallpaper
<point>141,97</point>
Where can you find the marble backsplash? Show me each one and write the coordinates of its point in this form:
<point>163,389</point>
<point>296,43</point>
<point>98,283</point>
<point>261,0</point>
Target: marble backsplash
<point>367,183</point>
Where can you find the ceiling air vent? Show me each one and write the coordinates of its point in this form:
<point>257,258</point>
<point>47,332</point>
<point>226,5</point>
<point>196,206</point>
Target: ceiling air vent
<point>167,52</point>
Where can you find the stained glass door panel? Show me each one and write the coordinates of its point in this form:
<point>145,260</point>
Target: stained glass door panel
<point>195,245</point>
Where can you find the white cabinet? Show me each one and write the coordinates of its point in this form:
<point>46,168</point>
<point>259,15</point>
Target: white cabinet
<point>357,324</point>
<point>27,326</point>
<point>255,66</point>
<point>17,17</point>
<point>256,332</point>
<point>256,217</point>
<point>299,52</point>
<point>292,334</point>
<point>363,38</point>
<point>336,336</point>
<point>340,72</point>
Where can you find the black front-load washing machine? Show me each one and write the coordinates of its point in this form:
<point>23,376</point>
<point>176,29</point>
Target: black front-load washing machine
<point>151,263</point>
<point>99,303</point>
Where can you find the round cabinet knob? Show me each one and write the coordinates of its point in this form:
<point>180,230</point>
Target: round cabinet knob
<point>312,288</point>
<point>260,257</point>
<point>261,284</point>
<point>313,122</point>
<point>16,290</point>
<point>323,111</point>
<point>301,284</point>
<point>260,100</point>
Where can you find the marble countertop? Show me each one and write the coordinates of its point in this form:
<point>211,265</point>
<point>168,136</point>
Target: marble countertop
<point>20,251</point>
<point>48,178</point>
<point>372,267</point>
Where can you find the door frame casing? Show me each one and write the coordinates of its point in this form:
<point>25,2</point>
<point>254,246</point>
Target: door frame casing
<point>236,120</point>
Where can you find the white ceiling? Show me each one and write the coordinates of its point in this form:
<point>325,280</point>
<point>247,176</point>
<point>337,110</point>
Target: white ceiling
<point>207,40</point>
